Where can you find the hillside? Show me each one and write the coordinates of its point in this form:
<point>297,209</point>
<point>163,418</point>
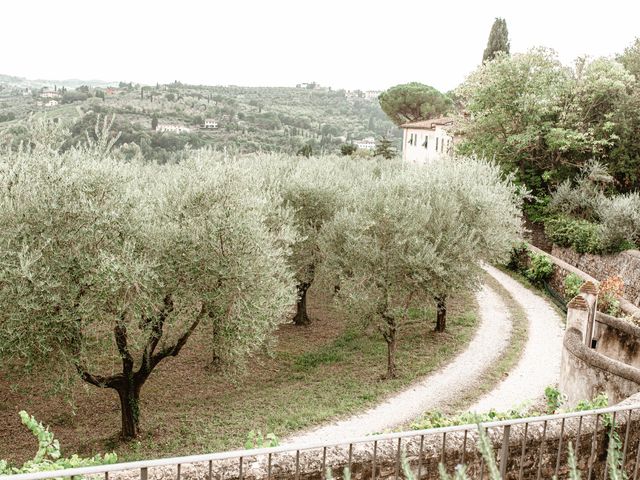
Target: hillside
<point>249,119</point>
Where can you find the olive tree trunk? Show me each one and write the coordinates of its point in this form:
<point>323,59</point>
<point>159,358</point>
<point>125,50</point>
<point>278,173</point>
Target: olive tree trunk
<point>441,313</point>
<point>130,409</point>
<point>389,332</point>
<point>129,382</point>
<point>301,317</point>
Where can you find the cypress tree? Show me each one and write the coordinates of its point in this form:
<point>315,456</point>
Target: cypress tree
<point>498,40</point>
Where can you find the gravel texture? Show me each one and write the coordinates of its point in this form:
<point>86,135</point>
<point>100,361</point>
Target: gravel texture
<point>539,365</point>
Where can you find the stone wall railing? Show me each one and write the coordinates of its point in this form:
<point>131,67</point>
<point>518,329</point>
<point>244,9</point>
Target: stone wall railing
<point>563,268</point>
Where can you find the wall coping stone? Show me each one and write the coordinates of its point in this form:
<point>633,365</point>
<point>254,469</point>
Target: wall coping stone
<point>619,324</point>
<point>574,344</point>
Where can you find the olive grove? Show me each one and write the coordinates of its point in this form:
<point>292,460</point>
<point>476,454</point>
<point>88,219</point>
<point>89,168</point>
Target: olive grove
<point>110,267</point>
<point>413,234</point>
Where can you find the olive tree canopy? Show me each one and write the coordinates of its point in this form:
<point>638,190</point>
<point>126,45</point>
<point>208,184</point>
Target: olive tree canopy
<point>109,268</point>
<point>414,233</point>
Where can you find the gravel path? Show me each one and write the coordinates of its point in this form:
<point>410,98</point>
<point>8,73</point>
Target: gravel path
<point>539,365</point>
<point>486,346</point>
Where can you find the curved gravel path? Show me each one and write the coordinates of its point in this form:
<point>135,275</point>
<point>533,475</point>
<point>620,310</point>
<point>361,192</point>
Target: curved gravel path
<point>539,365</point>
<point>486,346</point>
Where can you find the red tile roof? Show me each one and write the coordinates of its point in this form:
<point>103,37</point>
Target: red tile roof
<point>429,124</point>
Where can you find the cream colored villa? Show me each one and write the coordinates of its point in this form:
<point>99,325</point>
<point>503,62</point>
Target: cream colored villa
<point>427,140</point>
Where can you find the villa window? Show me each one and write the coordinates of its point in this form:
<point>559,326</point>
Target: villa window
<point>437,143</point>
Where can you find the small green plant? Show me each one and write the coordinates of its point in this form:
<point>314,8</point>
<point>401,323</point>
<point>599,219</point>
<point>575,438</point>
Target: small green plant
<point>540,268</point>
<point>48,456</point>
<point>554,398</point>
<point>572,285</point>
<point>610,291</point>
<point>255,439</point>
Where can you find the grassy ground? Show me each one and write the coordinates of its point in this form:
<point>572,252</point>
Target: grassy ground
<point>317,373</point>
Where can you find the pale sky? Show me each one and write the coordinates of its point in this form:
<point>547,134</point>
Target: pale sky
<point>370,45</point>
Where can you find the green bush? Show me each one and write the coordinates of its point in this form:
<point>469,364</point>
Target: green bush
<point>540,269</point>
<point>620,219</point>
<point>255,439</point>
<point>48,456</point>
<point>581,235</point>
<point>554,398</point>
<point>572,285</point>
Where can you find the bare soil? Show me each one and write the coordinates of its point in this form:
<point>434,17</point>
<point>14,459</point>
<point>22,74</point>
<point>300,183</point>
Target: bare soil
<point>322,371</point>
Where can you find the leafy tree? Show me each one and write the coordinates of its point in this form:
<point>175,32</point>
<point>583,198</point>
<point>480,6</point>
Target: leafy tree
<point>498,40</point>
<point>384,149</point>
<point>630,58</point>
<point>348,149</point>
<point>414,101</point>
<point>545,121</point>
<point>109,268</point>
<point>305,151</point>
<point>154,121</point>
<point>314,190</point>
<point>409,234</point>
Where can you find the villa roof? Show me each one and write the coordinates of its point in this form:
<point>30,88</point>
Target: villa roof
<point>429,124</point>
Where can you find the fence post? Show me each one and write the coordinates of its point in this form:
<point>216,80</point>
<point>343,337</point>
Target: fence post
<point>590,293</point>
<point>504,454</point>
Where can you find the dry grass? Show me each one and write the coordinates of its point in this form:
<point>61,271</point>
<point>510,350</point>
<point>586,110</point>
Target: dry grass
<point>316,373</point>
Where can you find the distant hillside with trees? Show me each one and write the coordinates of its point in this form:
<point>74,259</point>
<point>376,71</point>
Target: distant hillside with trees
<point>249,119</point>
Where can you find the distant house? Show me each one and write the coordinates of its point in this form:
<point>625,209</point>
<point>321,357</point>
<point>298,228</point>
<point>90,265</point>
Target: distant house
<point>427,140</point>
<point>49,94</point>
<point>368,143</point>
<point>372,94</point>
<point>210,123</point>
<point>310,86</point>
<point>26,92</point>
<point>172,128</point>
<point>51,103</point>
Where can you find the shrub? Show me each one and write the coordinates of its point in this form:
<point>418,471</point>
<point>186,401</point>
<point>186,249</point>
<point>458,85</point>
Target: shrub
<point>518,258</point>
<point>541,268</point>
<point>583,236</point>
<point>554,398</point>
<point>572,285</point>
<point>255,439</point>
<point>620,219</point>
<point>48,456</point>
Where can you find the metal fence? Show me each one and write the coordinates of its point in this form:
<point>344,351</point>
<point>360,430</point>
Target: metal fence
<point>534,447</point>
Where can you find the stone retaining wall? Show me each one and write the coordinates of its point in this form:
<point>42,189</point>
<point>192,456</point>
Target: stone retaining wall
<point>625,265</point>
<point>617,339</point>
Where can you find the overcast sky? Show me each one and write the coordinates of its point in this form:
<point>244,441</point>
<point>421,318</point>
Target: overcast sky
<point>343,44</point>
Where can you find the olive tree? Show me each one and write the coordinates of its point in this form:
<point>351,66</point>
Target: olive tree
<point>413,233</point>
<point>313,191</point>
<point>110,268</point>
